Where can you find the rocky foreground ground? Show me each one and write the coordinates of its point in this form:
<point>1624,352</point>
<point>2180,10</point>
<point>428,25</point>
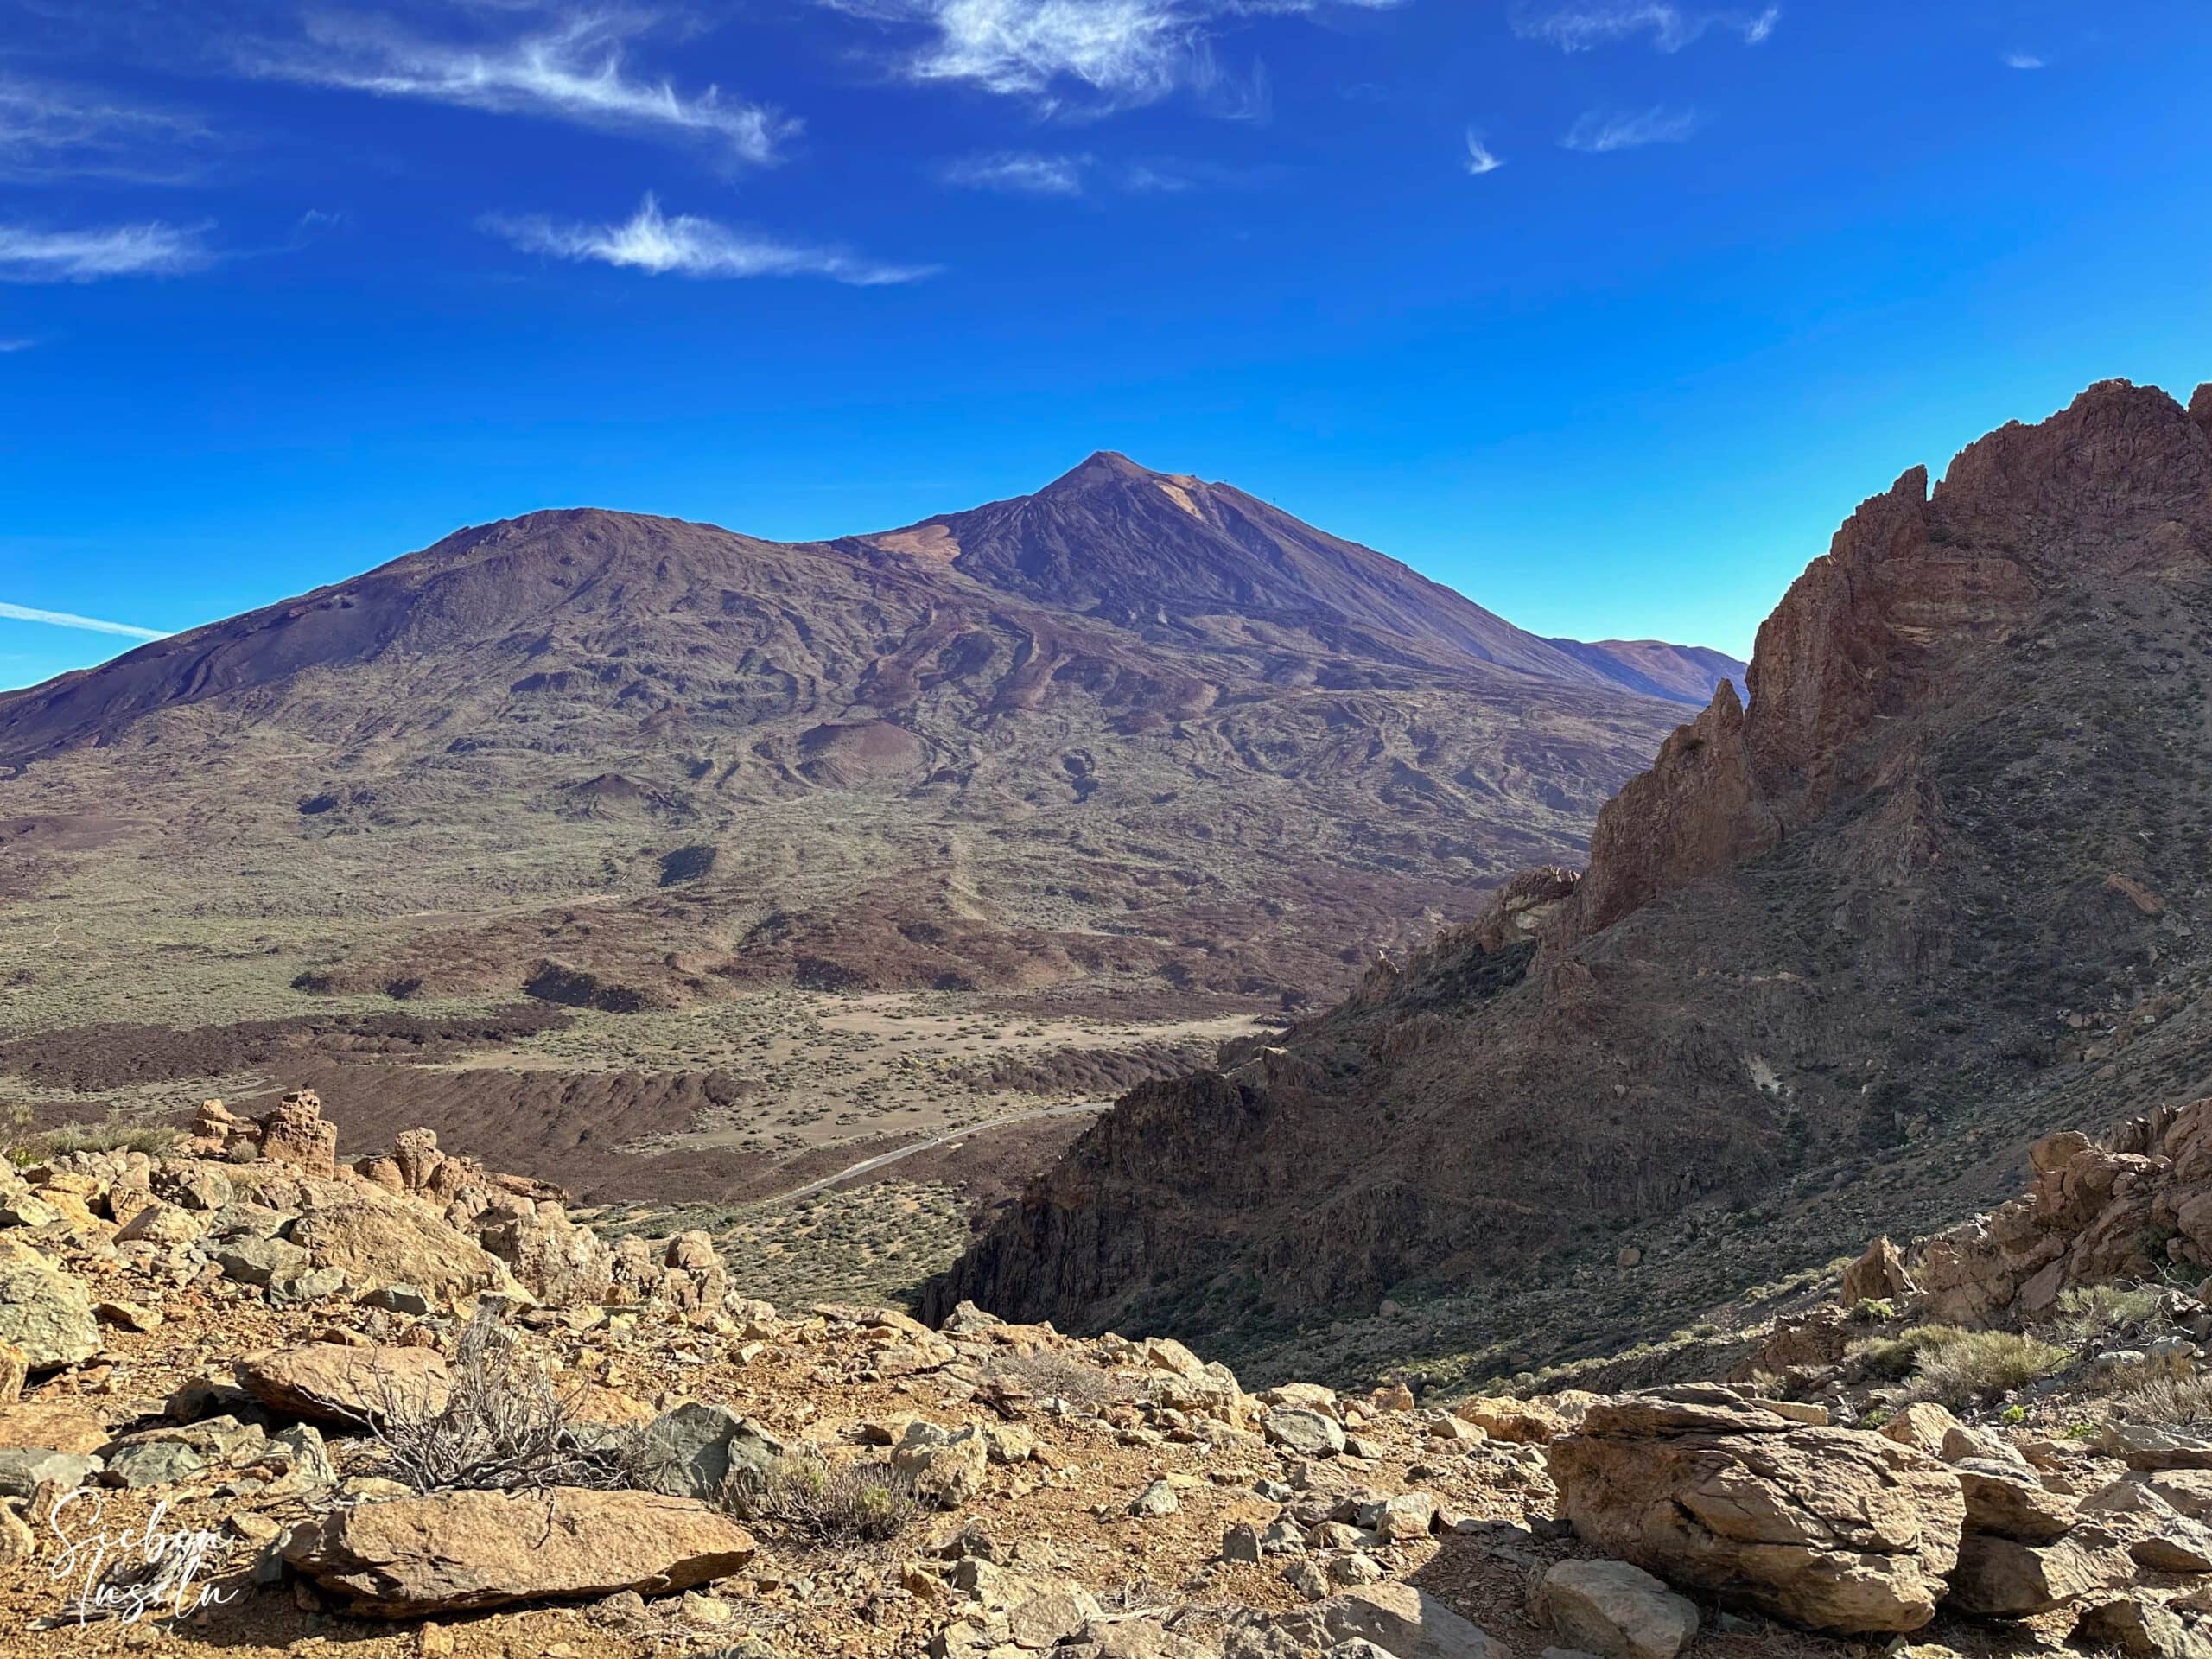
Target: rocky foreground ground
<point>256,1401</point>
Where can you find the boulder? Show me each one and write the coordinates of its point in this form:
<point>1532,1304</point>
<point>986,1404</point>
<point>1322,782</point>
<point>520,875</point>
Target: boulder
<point>551,1256</point>
<point>948,1468</point>
<point>457,1551</point>
<point>694,1450</point>
<point>2149,1447</point>
<point>2137,1629</point>
<point>1402,1621</point>
<point>2155,1534</point>
<point>1616,1611</point>
<point>56,1426</point>
<point>166,1225</point>
<point>1305,1433</point>
<point>1826,1527</point>
<point>376,1241</point>
<point>1923,1425</point>
<point>44,1310</point>
<point>152,1463</point>
<point>1520,1422</point>
<point>328,1382</point>
<point>22,1472</point>
<point>1997,1577</point>
<point>1878,1276</point>
<point>250,1259</point>
<point>2008,1500</point>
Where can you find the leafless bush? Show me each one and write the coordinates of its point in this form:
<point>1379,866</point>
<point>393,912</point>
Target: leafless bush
<point>812,1499</point>
<point>502,1427</point>
<point>1054,1376</point>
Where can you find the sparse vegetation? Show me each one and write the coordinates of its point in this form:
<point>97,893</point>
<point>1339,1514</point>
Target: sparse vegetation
<point>2086,1313</point>
<point>2172,1393</point>
<point>1054,1376</point>
<point>503,1426</point>
<point>114,1134</point>
<point>822,1502</point>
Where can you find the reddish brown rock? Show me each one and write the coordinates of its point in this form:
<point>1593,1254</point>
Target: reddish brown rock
<point>295,1133</point>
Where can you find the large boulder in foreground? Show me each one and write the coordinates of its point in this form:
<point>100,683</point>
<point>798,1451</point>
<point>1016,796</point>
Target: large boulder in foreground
<point>1826,1527</point>
<point>459,1551</point>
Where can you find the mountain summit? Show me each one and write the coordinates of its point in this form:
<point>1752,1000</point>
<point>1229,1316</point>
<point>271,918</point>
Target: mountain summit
<point>1164,551</point>
<point>1133,732</point>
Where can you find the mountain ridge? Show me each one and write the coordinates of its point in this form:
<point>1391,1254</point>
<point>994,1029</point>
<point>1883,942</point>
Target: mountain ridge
<point>1828,947</point>
<point>636,765</point>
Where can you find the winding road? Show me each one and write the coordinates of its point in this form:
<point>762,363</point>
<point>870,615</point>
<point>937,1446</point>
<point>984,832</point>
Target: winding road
<point>869,1166</point>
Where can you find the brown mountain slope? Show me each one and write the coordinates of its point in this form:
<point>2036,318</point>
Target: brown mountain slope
<point>627,764</point>
<point>1944,885</point>
<point>1692,673</point>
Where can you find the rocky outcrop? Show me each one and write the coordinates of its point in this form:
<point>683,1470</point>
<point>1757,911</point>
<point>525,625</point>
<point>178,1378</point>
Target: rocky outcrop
<point>2137,1206</point>
<point>1829,1528</point>
<point>462,1551</point>
<point>1827,919</point>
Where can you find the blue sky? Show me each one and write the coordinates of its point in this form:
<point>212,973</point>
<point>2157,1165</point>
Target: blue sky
<point>1603,311</point>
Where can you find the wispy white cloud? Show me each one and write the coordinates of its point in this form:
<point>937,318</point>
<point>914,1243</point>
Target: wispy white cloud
<point>1600,132</point>
<point>65,620</point>
<point>1118,53</point>
<point>2023,61</point>
<point>1584,24</point>
<point>686,245</point>
<point>50,132</point>
<point>1018,173</point>
<point>17,344</point>
<point>30,254</point>
<point>574,71</point>
<point>1480,158</point>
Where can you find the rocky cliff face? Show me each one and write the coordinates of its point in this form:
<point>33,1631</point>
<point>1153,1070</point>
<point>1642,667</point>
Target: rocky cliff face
<point>1942,874</point>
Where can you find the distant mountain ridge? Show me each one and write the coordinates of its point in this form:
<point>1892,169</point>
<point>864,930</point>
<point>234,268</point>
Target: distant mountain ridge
<point>1134,732</point>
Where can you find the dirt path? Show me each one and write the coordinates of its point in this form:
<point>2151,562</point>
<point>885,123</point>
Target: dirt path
<point>869,1166</point>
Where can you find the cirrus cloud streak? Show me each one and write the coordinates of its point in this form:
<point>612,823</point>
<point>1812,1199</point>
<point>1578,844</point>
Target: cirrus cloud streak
<point>686,245</point>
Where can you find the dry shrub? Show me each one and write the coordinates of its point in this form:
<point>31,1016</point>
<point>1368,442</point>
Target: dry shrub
<point>1054,1376</point>
<point>2086,1313</point>
<point>1968,1367</point>
<point>824,1504</point>
<point>2171,1393</point>
<point>503,1426</point>
<point>115,1134</point>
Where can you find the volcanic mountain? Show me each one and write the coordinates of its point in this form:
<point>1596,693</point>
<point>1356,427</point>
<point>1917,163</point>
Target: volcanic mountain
<point>1135,735</point>
<point>1941,885</point>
